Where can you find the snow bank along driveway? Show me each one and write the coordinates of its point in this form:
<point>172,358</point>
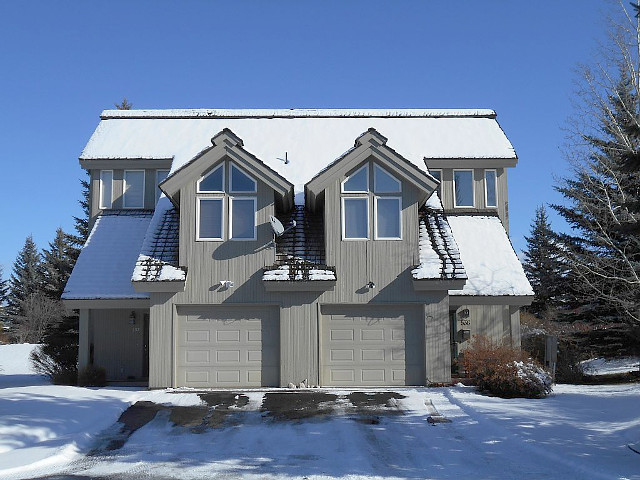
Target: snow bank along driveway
<point>69,432</point>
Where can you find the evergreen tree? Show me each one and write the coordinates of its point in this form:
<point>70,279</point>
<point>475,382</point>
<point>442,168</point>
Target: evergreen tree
<point>543,267</point>
<point>81,223</point>
<point>4,288</point>
<point>602,200</point>
<point>124,105</point>
<point>58,261</point>
<point>27,278</point>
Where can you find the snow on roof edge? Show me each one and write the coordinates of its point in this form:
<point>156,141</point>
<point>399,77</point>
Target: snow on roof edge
<point>296,113</point>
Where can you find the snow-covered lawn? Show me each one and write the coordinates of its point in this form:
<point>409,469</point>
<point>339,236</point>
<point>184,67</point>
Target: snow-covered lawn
<point>604,366</point>
<point>579,432</point>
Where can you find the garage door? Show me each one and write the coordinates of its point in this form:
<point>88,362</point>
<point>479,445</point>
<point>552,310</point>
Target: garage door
<point>371,345</point>
<point>227,347</point>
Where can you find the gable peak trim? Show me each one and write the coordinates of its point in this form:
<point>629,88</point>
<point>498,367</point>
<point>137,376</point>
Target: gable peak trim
<point>228,138</point>
<point>371,137</point>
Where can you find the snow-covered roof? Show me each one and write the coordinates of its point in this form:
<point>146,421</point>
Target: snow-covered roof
<point>103,269</point>
<point>490,262</point>
<point>311,139</point>
<point>439,255</point>
<point>158,259</point>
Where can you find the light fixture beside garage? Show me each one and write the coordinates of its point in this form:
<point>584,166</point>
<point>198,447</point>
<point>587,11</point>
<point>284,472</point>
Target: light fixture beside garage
<point>371,285</point>
<point>226,284</point>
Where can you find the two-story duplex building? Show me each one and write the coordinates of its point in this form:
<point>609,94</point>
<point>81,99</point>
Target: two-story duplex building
<point>394,250</point>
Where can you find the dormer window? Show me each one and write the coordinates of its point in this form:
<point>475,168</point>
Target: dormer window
<point>106,188</point>
<point>212,182</point>
<point>490,189</point>
<point>357,182</point>
<point>219,197</point>
<point>360,191</point>
<point>240,182</point>
<point>133,189</point>
<point>463,188</point>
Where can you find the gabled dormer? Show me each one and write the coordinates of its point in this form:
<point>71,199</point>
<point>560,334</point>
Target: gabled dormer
<point>370,198</point>
<point>225,194</point>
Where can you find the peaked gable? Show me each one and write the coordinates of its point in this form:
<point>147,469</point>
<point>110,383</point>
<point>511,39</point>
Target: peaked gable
<point>371,144</point>
<point>226,144</point>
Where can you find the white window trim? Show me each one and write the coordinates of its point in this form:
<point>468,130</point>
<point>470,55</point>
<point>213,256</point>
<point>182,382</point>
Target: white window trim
<point>158,191</point>
<point>357,239</point>
<point>101,206</point>
<point>486,189</point>
<point>375,217</point>
<point>473,188</point>
<point>231,190</point>
<point>213,170</point>
<point>208,239</point>
<point>124,188</point>
<point>365,166</point>
<point>375,180</point>
<point>255,218</point>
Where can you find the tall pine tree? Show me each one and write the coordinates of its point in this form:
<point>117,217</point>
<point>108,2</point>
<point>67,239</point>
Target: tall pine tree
<point>58,261</point>
<point>4,288</point>
<point>602,199</point>
<point>543,267</point>
<point>27,278</point>
<point>81,223</point>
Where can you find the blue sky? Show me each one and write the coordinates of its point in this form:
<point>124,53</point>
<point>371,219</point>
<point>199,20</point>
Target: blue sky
<point>62,63</point>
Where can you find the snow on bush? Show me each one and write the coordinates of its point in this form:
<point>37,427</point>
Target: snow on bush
<point>504,370</point>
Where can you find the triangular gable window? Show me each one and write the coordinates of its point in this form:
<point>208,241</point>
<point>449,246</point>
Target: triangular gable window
<point>383,182</point>
<point>213,182</point>
<point>241,182</point>
<point>357,181</point>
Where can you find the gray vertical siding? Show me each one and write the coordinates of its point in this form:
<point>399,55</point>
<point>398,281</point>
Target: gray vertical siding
<point>501,323</point>
<point>514,314</point>
<point>387,263</point>
<point>299,340</point>
<point>437,348</point>
<point>161,369</point>
<point>503,198</point>
<point>120,349</point>
<point>84,338</point>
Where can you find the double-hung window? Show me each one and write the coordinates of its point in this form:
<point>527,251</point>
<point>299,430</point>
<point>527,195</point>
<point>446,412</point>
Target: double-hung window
<point>133,189</point>
<point>463,188</point>
<point>490,189</point>
<point>360,191</point>
<point>226,196</point>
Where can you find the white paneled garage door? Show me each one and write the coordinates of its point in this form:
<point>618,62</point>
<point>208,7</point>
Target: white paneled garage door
<point>371,345</point>
<point>227,346</point>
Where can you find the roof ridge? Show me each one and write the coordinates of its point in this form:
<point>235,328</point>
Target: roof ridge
<point>299,113</point>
